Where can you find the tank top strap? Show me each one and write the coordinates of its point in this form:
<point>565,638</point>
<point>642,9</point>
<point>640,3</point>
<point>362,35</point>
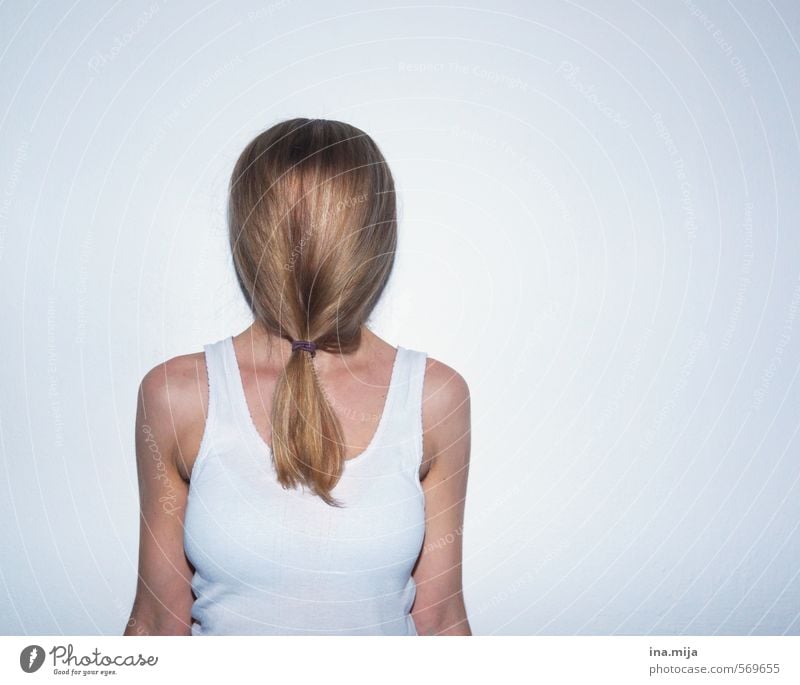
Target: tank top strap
<point>221,400</point>
<point>406,425</point>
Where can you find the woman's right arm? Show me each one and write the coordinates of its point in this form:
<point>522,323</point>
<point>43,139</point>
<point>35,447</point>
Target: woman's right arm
<point>163,601</point>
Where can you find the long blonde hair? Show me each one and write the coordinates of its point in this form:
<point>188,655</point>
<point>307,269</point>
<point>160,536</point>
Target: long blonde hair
<point>313,232</point>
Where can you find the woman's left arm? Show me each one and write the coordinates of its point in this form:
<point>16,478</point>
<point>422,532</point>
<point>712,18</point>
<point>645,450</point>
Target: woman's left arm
<point>439,606</point>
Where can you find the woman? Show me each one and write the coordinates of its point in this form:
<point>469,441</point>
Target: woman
<point>287,484</point>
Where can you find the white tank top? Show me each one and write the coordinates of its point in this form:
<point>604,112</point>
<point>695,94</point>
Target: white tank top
<point>282,562</point>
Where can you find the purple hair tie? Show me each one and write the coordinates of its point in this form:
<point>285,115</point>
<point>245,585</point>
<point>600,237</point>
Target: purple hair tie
<point>306,345</point>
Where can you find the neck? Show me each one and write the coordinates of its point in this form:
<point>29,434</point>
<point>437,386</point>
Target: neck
<point>264,346</point>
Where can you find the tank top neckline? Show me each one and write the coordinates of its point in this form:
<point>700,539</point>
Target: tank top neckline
<point>240,399</point>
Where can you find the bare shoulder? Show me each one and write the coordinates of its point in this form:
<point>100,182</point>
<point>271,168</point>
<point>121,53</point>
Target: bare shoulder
<point>445,389</point>
<point>445,412</point>
<point>173,399</point>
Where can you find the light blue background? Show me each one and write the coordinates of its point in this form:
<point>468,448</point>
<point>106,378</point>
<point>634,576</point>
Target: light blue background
<point>599,230</point>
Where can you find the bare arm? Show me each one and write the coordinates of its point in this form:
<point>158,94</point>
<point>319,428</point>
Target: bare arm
<point>439,606</point>
<point>163,601</point>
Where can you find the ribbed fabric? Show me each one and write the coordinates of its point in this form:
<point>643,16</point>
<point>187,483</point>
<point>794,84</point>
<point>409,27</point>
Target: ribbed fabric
<point>270,561</point>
